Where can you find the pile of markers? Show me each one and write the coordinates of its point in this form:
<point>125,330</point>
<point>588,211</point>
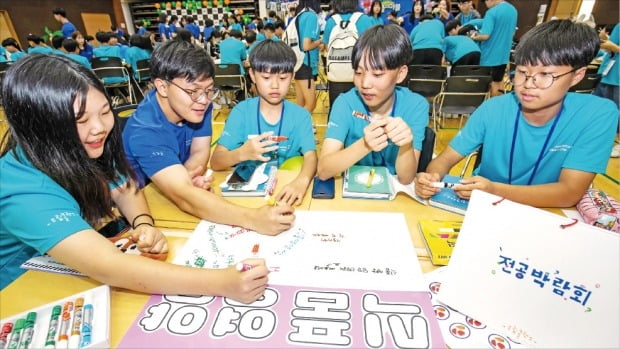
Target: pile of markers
<point>68,326</point>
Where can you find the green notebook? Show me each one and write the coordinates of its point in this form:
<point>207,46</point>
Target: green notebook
<point>358,180</point>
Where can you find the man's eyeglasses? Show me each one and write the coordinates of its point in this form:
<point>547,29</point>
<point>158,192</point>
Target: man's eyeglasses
<point>540,80</point>
<point>197,95</point>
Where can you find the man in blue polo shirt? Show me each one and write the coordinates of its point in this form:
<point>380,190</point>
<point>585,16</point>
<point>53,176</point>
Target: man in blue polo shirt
<point>498,28</point>
<point>167,140</point>
<point>67,27</point>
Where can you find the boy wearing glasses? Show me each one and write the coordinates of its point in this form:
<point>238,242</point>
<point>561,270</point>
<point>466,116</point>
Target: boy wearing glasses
<point>168,139</point>
<point>542,146</point>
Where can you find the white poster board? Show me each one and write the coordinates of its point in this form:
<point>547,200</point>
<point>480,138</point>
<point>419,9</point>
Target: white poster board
<point>361,250</point>
<point>515,268</point>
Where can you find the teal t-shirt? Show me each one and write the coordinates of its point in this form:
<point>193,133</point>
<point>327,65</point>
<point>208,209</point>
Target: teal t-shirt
<point>582,139</point>
<point>295,123</point>
<point>232,51</point>
<point>107,51</point>
<point>500,22</point>
<point>309,28</point>
<point>135,54</point>
<point>346,128</point>
<point>37,213</point>
<point>80,59</point>
<point>428,34</point>
<point>40,49</point>
<point>457,46</point>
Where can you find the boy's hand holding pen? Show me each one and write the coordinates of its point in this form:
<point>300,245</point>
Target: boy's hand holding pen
<point>255,147</point>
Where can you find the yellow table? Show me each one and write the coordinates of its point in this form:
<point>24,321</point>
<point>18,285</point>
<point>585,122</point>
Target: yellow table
<point>35,288</point>
<point>167,215</point>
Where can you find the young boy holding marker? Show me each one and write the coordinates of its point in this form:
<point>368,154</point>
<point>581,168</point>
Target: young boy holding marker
<point>268,127</point>
<point>542,146</point>
<point>168,140</point>
<point>63,166</point>
<point>377,123</point>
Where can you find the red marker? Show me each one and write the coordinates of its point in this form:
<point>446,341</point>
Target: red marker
<point>4,334</point>
<point>278,138</point>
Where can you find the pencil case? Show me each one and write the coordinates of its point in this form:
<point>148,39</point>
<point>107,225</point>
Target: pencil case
<point>600,210</point>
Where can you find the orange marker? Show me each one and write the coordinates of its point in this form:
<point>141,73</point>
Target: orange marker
<point>255,249</point>
<point>278,138</point>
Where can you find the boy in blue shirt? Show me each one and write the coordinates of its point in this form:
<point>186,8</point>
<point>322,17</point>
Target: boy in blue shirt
<point>232,50</point>
<point>167,140</point>
<point>67,27</point>
<point>427,41</point>
<point>459,49</point>
<point>393,136</point>
<point>106,49</point>
<point>254,126</point>
<point>542,146</point>
<point>72,51</point>
<point>37,45</point>
<point>496,34</point>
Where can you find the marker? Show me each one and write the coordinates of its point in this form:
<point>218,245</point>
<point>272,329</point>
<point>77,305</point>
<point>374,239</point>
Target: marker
<point>74,340</point>
<point>245,267</point>
<point>87,327</point>
<point>31,318</point>
<point>362,116</point>
<point>278,138</point>
<point>50,341</point>
<point>208,172</point>
<point>271,201</point>
<point>443,185</point>
<point>371,176</point>
<point>4,334</point>
<point>63,337</point>
<point>16,334</point>
<point>255,249</point>
<point>272,186</point>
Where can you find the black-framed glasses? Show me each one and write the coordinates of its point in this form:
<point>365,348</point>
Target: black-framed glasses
<point>540,80</point>
<point>197,95</point>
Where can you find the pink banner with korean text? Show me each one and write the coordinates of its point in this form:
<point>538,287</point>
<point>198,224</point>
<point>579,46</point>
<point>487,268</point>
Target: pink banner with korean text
<point>289,316</point>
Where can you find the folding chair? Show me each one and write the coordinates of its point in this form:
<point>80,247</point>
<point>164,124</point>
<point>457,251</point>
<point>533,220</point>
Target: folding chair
<point>460,95</point>
<point>123,113</point>
<point>229,80</point>
<point>426,80</point>
<point>587,84</point>
<point>428,147</point>
<point>478,157</point>
<point>115,77</point>
<point>471,70</point>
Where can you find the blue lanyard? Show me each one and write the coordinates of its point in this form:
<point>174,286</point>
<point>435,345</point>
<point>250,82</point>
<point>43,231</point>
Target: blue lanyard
<point>258,118</point>
<point>542,151</point>
<point>274,154</point>
<point>381,154</point>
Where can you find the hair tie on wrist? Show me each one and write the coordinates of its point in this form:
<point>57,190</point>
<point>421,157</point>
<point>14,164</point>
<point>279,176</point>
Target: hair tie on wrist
<point>143,223</point>
<point>133,223</point>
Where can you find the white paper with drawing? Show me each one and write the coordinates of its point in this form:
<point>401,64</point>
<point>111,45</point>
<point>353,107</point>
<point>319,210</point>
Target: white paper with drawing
<point>326,249</point>
<point>515,268</point>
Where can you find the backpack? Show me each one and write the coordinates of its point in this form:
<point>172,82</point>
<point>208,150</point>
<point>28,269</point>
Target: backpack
<point>292,39</point>
<point>341,41</point>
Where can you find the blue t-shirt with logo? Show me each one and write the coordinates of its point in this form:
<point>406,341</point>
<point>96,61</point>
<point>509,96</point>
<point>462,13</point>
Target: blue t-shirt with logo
<point>582,139</point>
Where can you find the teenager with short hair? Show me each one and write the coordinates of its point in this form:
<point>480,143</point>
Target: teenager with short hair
<point>67,27</point>
<point>393,138</point>
<point>542,145</point>
<point>268,115</point>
